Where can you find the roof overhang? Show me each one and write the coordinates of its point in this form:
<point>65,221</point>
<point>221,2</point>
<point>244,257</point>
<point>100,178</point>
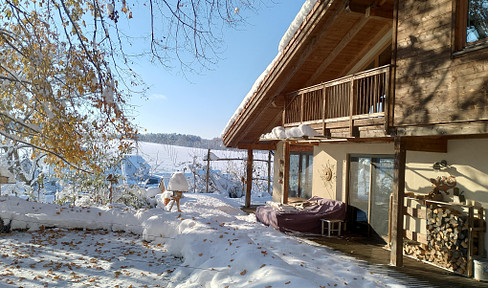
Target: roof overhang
<point>335,36</point>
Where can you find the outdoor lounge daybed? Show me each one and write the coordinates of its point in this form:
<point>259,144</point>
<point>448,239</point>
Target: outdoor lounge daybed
<point>301,217</point>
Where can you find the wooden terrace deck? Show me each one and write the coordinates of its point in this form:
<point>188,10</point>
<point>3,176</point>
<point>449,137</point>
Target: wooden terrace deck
<point>376,258</point>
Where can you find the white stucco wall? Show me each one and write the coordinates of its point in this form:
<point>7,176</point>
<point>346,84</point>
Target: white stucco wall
<point>334,156</point>
<point>467,160</point>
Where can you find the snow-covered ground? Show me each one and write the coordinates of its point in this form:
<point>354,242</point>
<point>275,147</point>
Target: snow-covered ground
<point>76,258</point>
<point>211,243</point>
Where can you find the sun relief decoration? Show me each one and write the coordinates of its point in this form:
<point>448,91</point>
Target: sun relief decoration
<point>328,176</point>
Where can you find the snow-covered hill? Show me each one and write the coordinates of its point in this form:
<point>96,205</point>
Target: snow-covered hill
<point>165,158</point>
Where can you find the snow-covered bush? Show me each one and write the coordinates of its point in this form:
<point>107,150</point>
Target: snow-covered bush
<point>131,195</point>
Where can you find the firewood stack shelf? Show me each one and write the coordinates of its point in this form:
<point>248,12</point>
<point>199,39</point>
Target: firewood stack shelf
<point>447,235</point>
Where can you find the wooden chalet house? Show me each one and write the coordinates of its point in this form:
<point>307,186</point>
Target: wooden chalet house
<point>398,93</point>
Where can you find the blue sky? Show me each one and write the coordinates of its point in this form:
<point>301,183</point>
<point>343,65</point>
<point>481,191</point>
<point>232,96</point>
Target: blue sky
<point>202,104</point>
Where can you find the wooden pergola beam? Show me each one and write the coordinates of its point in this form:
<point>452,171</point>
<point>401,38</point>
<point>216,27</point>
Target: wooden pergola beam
<point>257,146</point>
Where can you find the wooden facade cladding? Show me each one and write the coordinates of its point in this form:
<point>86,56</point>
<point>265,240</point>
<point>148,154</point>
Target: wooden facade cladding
<point>435,85</point>
<point>347,103</point>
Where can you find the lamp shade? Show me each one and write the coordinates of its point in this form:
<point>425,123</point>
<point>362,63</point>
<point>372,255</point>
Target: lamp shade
<point>178,182</point>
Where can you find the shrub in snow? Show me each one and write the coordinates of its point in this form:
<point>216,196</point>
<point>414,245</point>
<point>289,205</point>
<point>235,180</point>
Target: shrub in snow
<point>152,192</point>
<point>226,185</point>
<point>132,196</point>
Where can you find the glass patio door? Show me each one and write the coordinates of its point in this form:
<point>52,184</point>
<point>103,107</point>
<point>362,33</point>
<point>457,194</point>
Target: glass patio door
<point>370,187</point>
<point>300,181</point>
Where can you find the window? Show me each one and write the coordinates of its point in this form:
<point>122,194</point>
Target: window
<point>471,24</point>
<point>300,181</point>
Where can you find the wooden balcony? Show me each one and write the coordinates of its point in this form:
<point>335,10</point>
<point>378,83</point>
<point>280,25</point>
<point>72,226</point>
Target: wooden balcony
<point>351,106</point>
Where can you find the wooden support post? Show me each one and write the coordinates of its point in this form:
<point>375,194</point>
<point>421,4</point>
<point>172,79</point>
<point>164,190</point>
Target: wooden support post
<point>286,173</point>
<point>269,172</point>
<point>249,177</point>
<point>208,170</point>
<point>396,256</point>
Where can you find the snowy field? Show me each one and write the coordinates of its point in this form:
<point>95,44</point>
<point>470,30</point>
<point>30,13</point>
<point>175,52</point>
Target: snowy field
<point>211,243</point>
<point>164,158</point>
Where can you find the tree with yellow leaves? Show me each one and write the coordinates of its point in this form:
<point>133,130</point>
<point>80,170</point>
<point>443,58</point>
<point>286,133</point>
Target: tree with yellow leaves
<point>65,78</point>
<point>58,94</point>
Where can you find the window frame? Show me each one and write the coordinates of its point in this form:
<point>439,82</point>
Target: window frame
<point>459,30</point>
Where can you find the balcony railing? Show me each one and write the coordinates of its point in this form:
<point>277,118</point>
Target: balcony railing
<point>359,96</point>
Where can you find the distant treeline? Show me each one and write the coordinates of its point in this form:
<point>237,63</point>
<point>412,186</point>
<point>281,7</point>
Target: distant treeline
<point>182,140</point>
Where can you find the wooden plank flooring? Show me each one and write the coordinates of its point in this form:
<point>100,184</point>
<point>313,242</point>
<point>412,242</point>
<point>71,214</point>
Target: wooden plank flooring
<point>376,258</point>
<point>413,273</point>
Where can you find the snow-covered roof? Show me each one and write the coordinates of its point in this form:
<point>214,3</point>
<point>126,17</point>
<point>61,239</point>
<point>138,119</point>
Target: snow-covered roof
<point>136,160</point>
<point>285,40</point>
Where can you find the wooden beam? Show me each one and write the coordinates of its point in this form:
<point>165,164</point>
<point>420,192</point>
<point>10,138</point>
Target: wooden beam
<point>379,10</point>
<point>250,157</point>
<point>362,58</point>
<point>396,256</point>
<point>424,144</point>
<point>257,146</point>
<point>286,172</point>
<point>338,49</point>
<point>278,101</point>
<point>301,148</point>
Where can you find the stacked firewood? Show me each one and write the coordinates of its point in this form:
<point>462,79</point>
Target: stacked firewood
<point>447,239</point>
